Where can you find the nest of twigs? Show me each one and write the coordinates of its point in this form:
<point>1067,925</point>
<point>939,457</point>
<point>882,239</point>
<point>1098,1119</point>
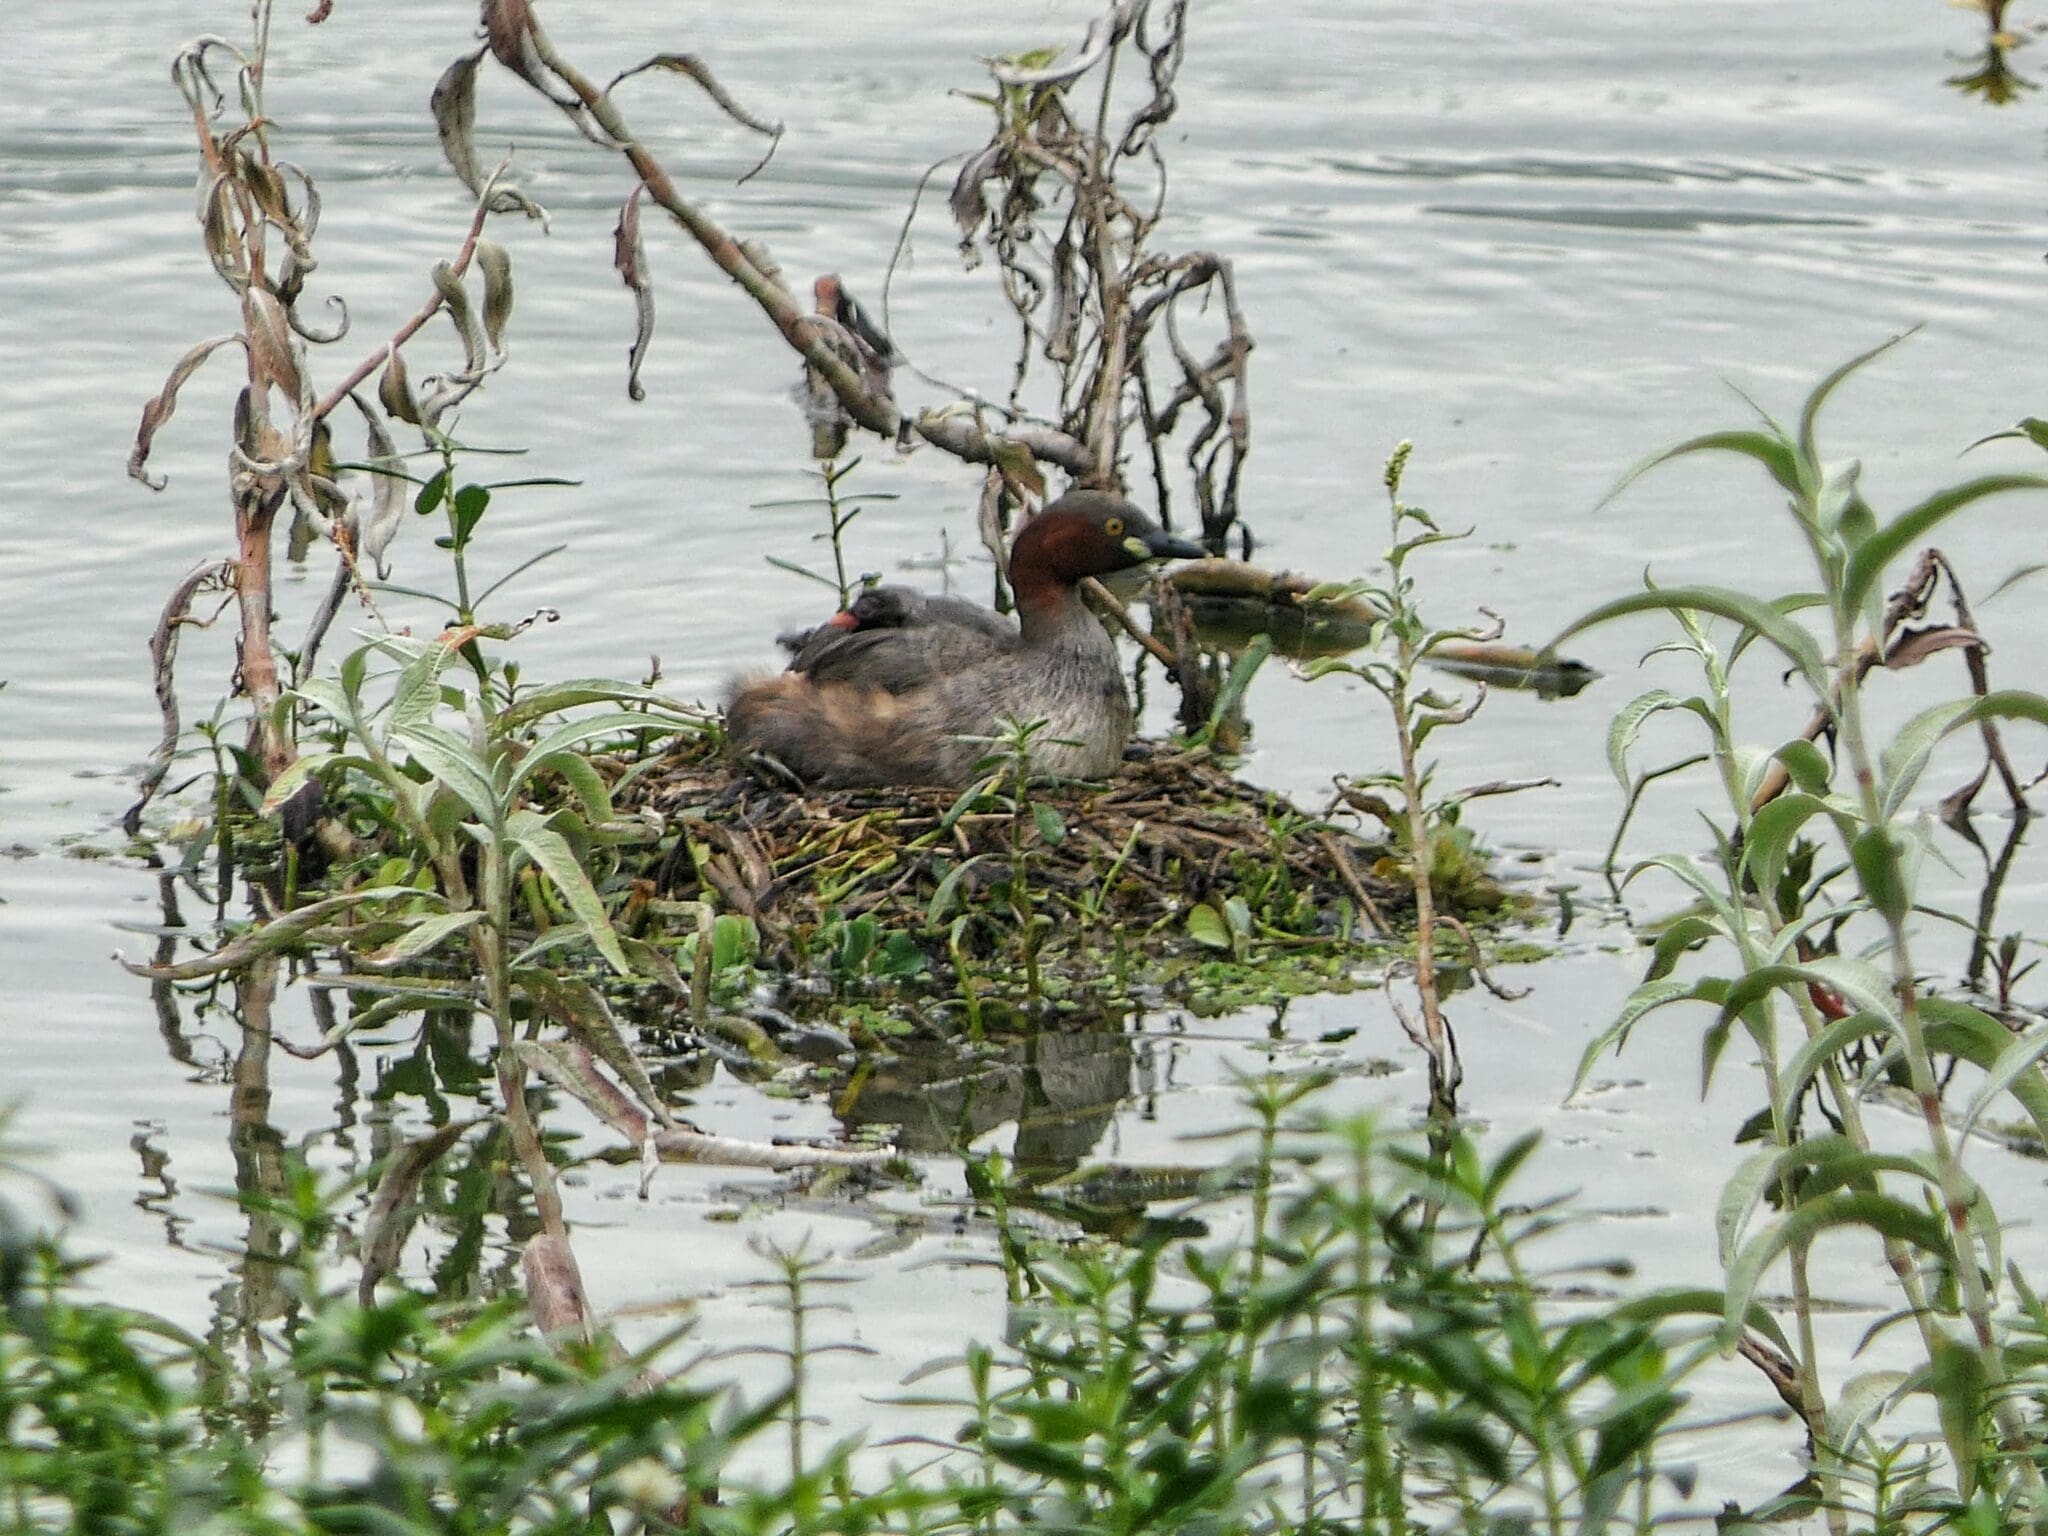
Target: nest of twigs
<point>1172,832</point>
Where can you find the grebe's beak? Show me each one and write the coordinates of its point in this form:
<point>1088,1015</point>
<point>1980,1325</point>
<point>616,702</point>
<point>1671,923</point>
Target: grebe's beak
<point>1158,544</point>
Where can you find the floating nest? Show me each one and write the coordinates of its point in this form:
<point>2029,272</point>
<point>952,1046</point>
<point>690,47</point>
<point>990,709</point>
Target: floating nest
<point>1173,853</point>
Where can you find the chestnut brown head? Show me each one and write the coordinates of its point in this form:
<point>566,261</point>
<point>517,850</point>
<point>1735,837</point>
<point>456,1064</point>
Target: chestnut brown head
<point>1089,533</point>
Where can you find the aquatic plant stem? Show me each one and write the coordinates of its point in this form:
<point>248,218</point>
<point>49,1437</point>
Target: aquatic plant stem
<point>1812,1394</point>
<point>1443,1070</point>
<point>1958,1201</point>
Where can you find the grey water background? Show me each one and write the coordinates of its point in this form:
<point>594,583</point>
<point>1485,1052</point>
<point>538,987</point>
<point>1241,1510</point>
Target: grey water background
<point>1537,238</point>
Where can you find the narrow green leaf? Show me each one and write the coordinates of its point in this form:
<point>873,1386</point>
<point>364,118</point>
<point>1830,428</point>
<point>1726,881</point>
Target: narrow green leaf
<point>1866,566</point>
<point>1769,449</point>
<point>949,890</point>
<point>1688,869</point>
<point>279,933</point>
<point>418,691</point>
<point>550,852</point>
<point>555,699</point>
<point>1881,873</point>
<point>2021,1058</point>
<point>1957,1029</point>
<point>540,757</point>
<point>423,935</point>
<point>1050,827</point>
<point>1807,764</point>
<point>1879,1214</point>
<point>1646,999</point>
<point>449,761</point>
<point>1770,836</point>
<point>1860,1401</point>
<point>1905,757</point>
<point>1207,925</point>
<point>1816,1050</point>
<point>1959,1380</point>
<point>1678,937</point>
<point>1627,724</point>
<point>1809,414</point>
<point>1790,638</point>
<point>1659,1305</point>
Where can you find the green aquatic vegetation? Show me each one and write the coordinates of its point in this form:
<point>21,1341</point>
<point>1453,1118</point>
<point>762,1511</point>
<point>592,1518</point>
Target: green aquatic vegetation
<point>1339,1330</point>
<point>1439,856</point>
<point>1808,923</point>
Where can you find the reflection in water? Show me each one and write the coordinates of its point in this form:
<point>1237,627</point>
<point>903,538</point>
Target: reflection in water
<point>156,1169</point>
<point>256,1291</point>
<point>1061,1088</point>
<point>1991,75</point>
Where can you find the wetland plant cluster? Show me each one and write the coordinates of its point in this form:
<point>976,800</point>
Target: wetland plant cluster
<point>1371,1348</point>
<point>1375,1343</point>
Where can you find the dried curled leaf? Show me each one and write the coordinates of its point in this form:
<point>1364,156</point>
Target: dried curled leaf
<point>388,500</point>
<point>1095,45</point>
<point>1910,647</point>
<point>448,283</point>
<point>158,410</point>
<point>222,240</point>
<point>270,334</point>
<point>310,332</point>
<point>696,69</point>
<point>554,1286</point>
<point>454,108</point>
<point>570,1066</point>
<point>394,390</point>
<point>969,206</point>
<point>629,255</point>
<point>496,264</point>
<point>511,34</point>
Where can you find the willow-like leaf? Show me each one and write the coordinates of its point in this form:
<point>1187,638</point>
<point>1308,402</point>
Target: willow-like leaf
<point>1769,449</point>
<point>1816,1051</point>
<point>450,762</point>
<point>550,851</point>
<point>1905,758</point>
<point>495,263</point>
<point>1791,639</point>
<point>1809,414</point>
<point>1866,566</point>
<point>279,933</point>
<point>1645,999</point>
<point>1878,1214</point>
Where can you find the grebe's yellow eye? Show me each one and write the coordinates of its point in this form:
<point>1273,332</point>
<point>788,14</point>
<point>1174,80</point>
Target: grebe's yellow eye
<point>1113,526</point>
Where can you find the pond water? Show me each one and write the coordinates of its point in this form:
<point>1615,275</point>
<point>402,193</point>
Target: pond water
<point>1537,238</point>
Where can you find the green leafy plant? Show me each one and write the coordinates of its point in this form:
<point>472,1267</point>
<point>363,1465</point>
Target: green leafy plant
<point>840,511</point>
<point>1808,914</point>
<point>1437,850</point>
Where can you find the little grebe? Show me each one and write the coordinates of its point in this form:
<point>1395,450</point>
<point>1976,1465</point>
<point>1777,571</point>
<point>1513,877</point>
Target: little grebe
<point>893,690</point>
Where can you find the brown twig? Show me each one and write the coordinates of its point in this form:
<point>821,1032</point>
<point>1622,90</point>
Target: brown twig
<point>1352,883</point>
<point>1116,609</point>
